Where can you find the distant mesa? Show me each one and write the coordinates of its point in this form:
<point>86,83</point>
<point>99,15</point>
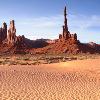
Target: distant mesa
<point>10,43</point>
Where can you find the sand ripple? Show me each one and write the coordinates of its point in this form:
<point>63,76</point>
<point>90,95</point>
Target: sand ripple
<point>49,82</point>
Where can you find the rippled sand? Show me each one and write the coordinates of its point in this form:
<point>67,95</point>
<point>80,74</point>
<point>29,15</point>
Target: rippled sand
<point>73,80</point>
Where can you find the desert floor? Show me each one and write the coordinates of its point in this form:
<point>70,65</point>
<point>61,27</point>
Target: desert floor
<point>72,80</point>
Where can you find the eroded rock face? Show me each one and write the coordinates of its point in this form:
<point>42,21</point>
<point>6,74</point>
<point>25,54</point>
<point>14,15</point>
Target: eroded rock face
<point>66,34</point>
<point>3,32</point>
<point>67,42</point>
<point>12,33</point>
<point>20,40</point>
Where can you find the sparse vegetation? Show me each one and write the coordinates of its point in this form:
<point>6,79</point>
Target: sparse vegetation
<point>44,59</point>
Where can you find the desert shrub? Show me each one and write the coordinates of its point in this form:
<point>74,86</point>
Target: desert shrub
<point>1,62</point>
<point>18,58</point>
<point>26,59</point>
<point>23,63</point>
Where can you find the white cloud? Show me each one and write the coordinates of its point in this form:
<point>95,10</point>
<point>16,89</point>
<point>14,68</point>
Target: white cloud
<point>87,27</point>
<point>40,27</point>
<point>50,27</point>
<point>84,22</point>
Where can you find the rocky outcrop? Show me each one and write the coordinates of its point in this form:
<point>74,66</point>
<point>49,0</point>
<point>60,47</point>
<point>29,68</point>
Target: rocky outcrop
<point>66,43</point>
<point>11,33</point>
<point>66,35</point>
<point>20,39</point>
<point>3,32</point>
<point>21,42</point>
<point>12,38</point>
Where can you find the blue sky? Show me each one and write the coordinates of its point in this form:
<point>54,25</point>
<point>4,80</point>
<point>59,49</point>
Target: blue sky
<point>44,18</point>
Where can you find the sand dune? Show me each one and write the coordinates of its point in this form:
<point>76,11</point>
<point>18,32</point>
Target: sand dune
<point>73,80</point>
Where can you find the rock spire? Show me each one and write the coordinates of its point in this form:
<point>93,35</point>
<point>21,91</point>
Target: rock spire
<point>11,33</point>
<point>3,32</point>
<point>66,34</point>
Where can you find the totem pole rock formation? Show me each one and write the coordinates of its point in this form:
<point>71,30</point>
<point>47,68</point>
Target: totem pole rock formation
<point>11,33</point>
<point>12,38</point>
<point>3,32</point>
<point>66,34</point>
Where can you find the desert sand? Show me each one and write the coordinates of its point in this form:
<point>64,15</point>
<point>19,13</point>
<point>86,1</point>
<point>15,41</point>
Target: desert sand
<point>71,80</point>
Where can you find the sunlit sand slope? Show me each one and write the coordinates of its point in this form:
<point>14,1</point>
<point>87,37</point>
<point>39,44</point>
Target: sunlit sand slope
<point>73,80</point>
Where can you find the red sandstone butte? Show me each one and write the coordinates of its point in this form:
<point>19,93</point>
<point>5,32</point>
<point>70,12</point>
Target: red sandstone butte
<point>66,43</point>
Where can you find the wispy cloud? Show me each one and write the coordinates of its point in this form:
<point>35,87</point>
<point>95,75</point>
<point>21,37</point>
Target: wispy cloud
<point>84,22</point>
<point>41,27</point>
<point>51,26</point>
<point>87,27</point>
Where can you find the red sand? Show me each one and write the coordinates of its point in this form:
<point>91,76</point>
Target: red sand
<point>73,80</point>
